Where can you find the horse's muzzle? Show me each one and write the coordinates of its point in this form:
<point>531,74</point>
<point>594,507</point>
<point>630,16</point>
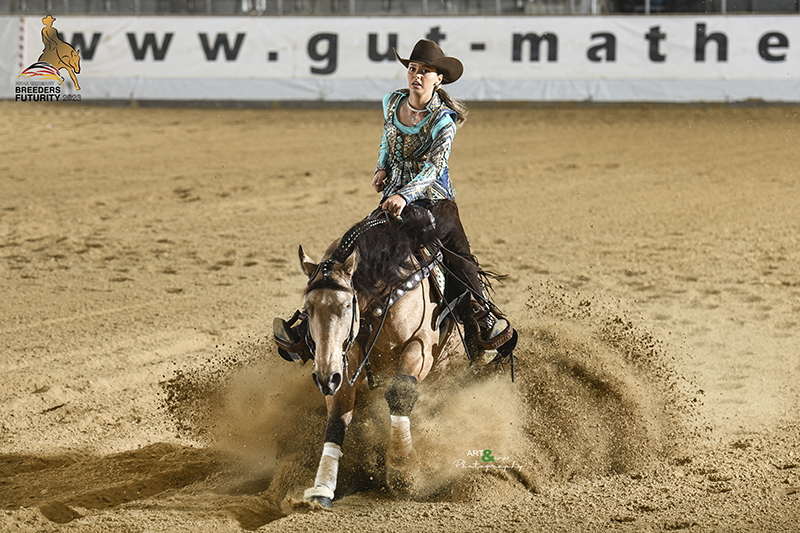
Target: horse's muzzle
<point>330,386</point>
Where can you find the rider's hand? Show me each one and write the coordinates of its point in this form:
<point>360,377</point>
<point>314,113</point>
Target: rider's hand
<point>378,179</point>
<point>394,205</point>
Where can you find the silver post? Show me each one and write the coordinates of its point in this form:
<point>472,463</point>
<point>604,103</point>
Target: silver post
<point>646,7</point>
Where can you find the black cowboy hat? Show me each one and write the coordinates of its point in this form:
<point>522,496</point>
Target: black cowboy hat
<point>428,53</point>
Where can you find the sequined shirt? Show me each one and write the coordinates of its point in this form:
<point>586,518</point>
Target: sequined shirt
<point>415,157</point>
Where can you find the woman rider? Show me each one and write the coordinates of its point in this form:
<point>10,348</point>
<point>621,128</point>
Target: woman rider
<point>418,131</point>
<point>419,127</point>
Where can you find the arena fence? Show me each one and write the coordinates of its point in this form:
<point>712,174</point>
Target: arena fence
<point>657,58</point>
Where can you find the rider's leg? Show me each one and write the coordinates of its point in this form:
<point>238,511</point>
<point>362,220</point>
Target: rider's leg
<point>494,328</point>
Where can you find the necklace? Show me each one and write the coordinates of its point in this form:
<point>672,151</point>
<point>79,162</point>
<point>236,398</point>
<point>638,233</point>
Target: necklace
<point>415,112</point>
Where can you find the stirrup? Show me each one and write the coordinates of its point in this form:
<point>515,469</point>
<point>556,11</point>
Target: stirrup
<point>501,333</point>
<point>291,344</point>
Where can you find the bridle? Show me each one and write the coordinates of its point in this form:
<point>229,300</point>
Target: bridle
<point>342,252</point>
<point>347,345</point>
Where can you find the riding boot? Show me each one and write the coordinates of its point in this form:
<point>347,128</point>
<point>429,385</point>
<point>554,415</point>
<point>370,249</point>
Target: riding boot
<point>290,338</point>
<point>490,332</point>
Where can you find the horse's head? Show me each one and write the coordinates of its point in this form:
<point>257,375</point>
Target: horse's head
<point>333,318</point>
<point>72,59</point>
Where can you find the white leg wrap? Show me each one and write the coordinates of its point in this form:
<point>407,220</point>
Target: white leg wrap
<point>400,437</point>
<point>325,484</point>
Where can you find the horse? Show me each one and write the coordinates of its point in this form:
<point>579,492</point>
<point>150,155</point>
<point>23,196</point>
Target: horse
<point>376,270</point>
<point>58,53</point>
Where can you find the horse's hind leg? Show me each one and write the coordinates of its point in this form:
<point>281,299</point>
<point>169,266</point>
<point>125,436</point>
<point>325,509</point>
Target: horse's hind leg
<point>340,413</point>
<point>401,395</point>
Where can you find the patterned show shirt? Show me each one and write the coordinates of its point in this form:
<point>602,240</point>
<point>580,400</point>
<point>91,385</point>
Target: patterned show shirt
<point>415,157</point>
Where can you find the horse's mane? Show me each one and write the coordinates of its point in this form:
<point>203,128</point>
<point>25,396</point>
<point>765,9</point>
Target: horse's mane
<point>390,251</point>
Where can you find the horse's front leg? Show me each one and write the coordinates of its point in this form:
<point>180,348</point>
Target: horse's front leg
<point>71,71</point>
<point>401,396</point>
<point>340,413</point>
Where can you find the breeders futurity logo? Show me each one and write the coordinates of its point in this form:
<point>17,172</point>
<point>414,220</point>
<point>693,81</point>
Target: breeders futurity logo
<point>42,82</point>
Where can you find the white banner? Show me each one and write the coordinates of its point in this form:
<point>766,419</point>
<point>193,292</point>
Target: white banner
<point>10,62</point>
<point>637,58</point>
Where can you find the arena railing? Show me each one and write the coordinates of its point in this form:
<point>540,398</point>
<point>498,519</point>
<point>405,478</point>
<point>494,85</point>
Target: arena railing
<point>391,7</point>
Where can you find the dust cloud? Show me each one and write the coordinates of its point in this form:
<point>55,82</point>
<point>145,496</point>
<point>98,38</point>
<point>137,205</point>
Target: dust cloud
<point>594,395</point>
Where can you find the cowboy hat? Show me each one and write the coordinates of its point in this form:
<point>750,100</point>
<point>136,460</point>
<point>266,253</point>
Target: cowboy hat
<point>428,53</point>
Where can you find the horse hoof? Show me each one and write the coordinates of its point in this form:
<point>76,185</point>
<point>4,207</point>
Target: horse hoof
<point>403,474</point>
<point>322,496</point>
<point>323,501</point>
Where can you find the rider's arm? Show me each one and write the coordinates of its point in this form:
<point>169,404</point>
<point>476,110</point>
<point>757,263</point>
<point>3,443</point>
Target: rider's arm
<point>383,153</point>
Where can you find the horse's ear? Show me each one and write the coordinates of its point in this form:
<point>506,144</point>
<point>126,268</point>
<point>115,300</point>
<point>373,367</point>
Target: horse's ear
<point>350,264</point>
<point>306,263</point>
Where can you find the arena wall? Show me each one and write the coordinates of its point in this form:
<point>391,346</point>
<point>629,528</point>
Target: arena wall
<point>708,58</point>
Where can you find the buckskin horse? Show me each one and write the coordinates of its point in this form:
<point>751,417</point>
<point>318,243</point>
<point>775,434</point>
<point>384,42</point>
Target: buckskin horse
<point>370,306</point>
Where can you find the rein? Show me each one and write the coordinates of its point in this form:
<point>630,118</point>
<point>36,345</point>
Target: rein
<point>394,295</point>
<point>365,361</point>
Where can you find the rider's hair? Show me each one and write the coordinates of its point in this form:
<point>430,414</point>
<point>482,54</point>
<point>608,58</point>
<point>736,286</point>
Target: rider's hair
<point>456,105</point>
